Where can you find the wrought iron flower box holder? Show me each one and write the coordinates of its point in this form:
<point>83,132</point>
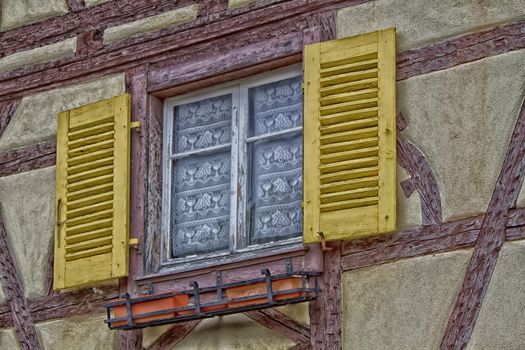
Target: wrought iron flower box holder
<point>219,306</point>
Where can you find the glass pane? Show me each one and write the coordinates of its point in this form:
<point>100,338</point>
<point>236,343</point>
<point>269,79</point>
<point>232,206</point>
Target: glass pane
<point>275,189</point>
<point>200,207</point>
<point>276,106</point>
<point>202,124</point>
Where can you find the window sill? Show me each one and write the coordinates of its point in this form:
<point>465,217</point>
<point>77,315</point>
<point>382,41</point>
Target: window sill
<point>224,263</point>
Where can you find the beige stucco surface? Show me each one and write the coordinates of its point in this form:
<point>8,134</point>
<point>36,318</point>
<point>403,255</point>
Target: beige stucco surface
<point>501,321</point>
<point>408,209</point>
<point>14,13</point>
<point>8,339</point>
<point>233,332</point>
<point>401,305</point>
<point>149,335</point>
<point>462,120</point>
<point>239,3</point>
<point>27,210</point>
<point>520,203</point>
<point>94,2</point>
<point>35,118</point>
<point>419,22</point>
<point>77,333</point>
<point>42,54</point>
<point>148,24</point>
<point>298,312</point>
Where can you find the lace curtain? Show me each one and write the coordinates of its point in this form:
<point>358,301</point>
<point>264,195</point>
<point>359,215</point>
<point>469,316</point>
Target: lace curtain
<point>276,182</point>
<point>200,217</point>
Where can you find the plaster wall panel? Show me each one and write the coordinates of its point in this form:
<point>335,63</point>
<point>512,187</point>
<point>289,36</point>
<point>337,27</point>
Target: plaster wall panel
<point>438,20</point>
<point>520,202</point>
<point>401,305</point>
<point>77,333</point>
<point>233,332</point>
<point>297,312</point>
<point>42,54</point>
<point>35,118</point>
<point>501,321</point>
<point>408,209</point>
<point>239,3</point>
<point>462,120</point>
<point>14,13</point>
<point>94,2</point>
<point>148,24</point>
<point>8,340</point>
<point>149,335</point>
<point>26,206</point>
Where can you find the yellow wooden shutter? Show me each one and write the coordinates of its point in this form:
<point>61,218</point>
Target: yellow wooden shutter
<point>350,137</point>
<point>92,193</point>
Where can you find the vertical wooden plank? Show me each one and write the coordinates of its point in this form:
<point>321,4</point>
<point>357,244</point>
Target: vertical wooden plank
<point>311,200</point>
<point>12,286</point>
<point>121,183</point>
<point>325,311</point>
<point>387,130</point>
<point>151,249</point>
<point>137,84</point>
<point>60,200</point>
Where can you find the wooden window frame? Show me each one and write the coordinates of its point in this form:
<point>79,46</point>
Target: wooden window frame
<point>238,232</point>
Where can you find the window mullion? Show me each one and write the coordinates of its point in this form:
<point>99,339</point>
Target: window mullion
<point>235,152</point>
<point>242,237</point>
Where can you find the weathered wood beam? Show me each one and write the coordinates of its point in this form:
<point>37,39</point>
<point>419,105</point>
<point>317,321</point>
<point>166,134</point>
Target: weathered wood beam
<point>326,310</point>
<point>173,335</point>
<point>7,111</point>
<point>75,5</point>
<point>422,178</point>
<point>28,158</point>
<point>20,314</point>
<point>450,236</point>
<point>130,340</point>
<point>153,194</point>
<point>463,49</point>
<point>49,274</point>
<point>489,241</point>
<point>89,42</point>
<point>233,59</point>
<point>107,14</point>
<point>123,55</point>
<point>62,305</point>
<point>281,324</point>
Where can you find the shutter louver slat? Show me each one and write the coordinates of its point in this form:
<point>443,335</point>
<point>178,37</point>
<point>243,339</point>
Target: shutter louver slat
<point>350,137</point>
<point>92,148</point>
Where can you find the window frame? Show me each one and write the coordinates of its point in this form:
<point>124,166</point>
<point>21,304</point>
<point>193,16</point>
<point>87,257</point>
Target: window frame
<point>238,231</point>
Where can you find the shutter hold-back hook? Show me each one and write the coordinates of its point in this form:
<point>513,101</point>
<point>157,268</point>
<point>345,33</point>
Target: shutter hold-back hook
<point>324,248</point>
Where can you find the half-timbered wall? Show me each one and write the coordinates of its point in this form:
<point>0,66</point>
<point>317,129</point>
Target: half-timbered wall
<point>452,277</point>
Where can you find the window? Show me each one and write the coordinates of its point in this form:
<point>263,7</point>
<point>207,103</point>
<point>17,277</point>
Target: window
<point>233,164</point>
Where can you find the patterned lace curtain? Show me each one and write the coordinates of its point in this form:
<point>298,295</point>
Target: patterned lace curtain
<point>200,217</point>
<point>276,181</point>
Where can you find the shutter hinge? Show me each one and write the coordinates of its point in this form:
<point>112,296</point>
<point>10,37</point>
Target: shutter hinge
<point>324,248</point>
<point>135,243</point>
<point>135,125</point>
